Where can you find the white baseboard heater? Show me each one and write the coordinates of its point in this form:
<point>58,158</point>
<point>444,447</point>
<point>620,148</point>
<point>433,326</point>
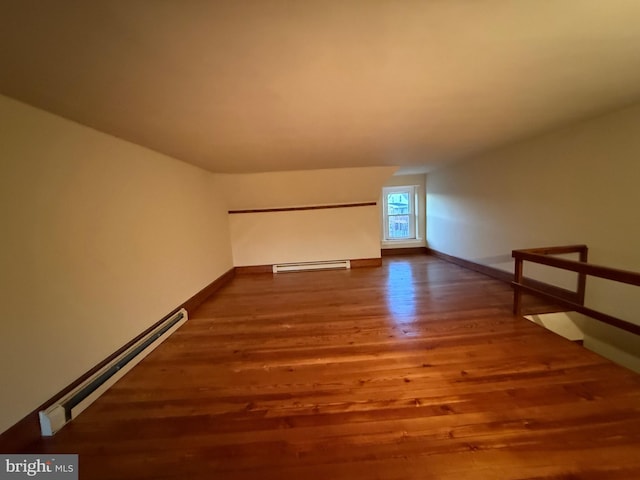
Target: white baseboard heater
<point>306,266</point>
<point>71,405</point>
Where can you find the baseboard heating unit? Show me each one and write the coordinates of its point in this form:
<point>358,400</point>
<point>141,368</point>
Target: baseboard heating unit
<point>306,266</point>
<point>71,405</point>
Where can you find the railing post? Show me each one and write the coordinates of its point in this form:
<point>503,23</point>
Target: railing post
<point>582,277</point>
<point>517,294</point>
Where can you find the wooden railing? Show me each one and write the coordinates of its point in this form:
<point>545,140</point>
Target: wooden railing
<point>583,269</point>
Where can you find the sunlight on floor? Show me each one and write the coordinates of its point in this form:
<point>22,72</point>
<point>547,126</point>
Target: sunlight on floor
<point>401,291</point>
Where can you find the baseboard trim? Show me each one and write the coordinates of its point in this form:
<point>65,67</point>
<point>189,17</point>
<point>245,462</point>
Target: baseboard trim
<point>366,262</point>
<point>389,252</point>
<point>496,273</point>
<point>194,302</point>
<point>19,437</point>
<point>254,269</point>
<point>506,277</point>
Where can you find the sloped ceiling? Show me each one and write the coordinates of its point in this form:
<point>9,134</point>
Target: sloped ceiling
<point>255,86</point>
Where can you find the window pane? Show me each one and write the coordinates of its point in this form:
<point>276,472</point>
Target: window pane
<point>399,226</point>
<point>397,203</point>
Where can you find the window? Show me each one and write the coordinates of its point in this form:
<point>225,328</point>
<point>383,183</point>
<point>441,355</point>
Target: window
<point>399,212</point>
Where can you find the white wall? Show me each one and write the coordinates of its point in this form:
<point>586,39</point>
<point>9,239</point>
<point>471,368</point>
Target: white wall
<point>101,238</point>
<point>579,184</point>
<point>419,181</point>
<point>306,235</point>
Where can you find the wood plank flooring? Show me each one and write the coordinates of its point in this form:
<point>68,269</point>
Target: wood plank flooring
<point>416,370</point>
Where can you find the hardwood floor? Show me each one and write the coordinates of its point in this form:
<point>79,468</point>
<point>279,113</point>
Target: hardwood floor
<point>416,370</point>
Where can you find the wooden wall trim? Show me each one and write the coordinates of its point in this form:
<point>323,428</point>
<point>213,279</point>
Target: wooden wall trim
<point>506,277</point>
<point>366,262</point>
<point>314,207</point>
<point>254,269</point>
<point>20,436</point>
<point>387,252</point>
<point>476,267</point>
<point>194,302</point>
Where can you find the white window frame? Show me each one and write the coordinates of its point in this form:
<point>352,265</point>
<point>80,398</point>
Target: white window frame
<point>413,211</point>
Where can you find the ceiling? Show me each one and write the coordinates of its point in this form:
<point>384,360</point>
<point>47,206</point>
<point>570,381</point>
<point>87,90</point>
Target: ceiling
<point>250,86</point>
